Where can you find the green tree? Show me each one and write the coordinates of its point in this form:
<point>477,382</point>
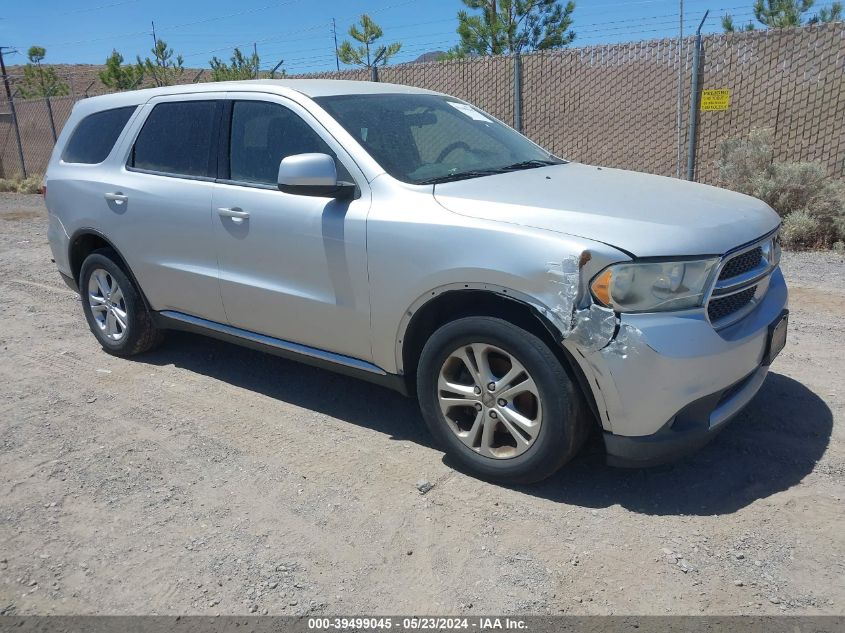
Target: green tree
<point>456,52</point>
<point>164,68</point>
<point>39,80</point>
<point>366,55</point>
<point>783,14</point>
<point>242,67</point>
<point>828,14</point>
<point>118,76</point>
<point>729,26</point>
<point>504,27</point>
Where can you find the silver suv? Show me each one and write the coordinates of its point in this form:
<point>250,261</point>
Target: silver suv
<point>405,237</point>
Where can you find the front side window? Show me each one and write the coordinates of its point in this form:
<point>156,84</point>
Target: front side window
<point>95,136</point>
<point>423,139</point>
<point>178,138</point>
<point>262,135</point>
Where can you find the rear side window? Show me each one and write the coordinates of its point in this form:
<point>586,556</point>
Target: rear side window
<point>177,138</point>
<point>96,134</point>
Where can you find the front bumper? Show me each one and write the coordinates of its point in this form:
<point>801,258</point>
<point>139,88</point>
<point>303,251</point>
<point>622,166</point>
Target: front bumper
<point>688,430</point>
<point>669,382</point>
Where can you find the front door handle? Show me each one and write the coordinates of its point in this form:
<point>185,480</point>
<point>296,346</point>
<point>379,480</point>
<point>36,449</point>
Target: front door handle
<point>116,196</point>
<point>237,214</point>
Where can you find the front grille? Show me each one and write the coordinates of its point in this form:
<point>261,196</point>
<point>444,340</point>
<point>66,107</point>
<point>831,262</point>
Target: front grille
<point>720,307</point>
<point>741,264</point>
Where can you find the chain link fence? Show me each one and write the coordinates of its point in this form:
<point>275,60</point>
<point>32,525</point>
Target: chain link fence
<point>614,105</point>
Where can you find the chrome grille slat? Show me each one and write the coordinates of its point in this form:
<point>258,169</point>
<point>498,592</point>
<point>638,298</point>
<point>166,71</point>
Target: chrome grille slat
<point>721,307</point>
<point>742,263</point>
<point>742,281</point>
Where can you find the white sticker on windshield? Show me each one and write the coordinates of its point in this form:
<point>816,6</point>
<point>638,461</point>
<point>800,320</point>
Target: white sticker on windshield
<point>469,111</point>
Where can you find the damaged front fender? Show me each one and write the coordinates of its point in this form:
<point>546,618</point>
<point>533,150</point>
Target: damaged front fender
<point>570,306</point>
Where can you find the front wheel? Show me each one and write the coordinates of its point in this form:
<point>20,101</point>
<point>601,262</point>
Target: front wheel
<point>499,401</point>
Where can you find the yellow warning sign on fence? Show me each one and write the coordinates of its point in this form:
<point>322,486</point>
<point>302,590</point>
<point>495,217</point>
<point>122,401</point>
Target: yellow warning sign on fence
<point>715,100</point>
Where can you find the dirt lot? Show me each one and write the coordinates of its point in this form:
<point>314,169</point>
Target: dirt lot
<point>204,478</point>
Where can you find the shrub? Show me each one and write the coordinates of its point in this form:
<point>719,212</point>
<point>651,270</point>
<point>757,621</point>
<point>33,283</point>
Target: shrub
<point>800,229</point>
<point>21,185</point>
<point>747,165</point>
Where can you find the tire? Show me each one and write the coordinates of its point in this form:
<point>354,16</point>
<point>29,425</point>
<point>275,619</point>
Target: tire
<point>122,324</point>
<point>544,395</point>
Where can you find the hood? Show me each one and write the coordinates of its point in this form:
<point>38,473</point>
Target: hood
<point>645,215</point>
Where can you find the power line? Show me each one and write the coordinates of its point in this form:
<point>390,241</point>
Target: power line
<point>313,27</point>
<point>645,21</point>
<point>588,35</point>
<point>582,10</point>
<point>40,18</point>
<point>173,27</point>
<point>300,63</point>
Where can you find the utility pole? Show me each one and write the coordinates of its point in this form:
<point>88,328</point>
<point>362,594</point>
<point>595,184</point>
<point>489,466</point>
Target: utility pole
<point>695,100</point>
<point>517,91</point>
<point>334,33</point>
<point>255,56</point>
<point>47,96</point>
<point>12,108</point>
<point>155,39</point>
<point>680,84</point>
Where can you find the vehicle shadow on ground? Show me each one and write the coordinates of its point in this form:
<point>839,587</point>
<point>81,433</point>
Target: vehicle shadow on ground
<point>349,399</point>
<point>768,448</point>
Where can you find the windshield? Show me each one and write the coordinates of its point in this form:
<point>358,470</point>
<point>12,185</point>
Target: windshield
<point>425,139</point>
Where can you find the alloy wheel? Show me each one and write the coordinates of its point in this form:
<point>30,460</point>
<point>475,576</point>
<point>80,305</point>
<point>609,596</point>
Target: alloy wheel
<point>489,400</point>
<point>108,305</point>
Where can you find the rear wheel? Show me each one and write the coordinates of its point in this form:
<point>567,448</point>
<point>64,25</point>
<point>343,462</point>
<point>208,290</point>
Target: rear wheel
<point>114,308</point>
<point>499,400</point>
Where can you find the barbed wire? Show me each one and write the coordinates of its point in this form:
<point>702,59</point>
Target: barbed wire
<point>306,62</point>
<point>40,17</point>
<point>310,58</point>
<point>430,45</point>
<point>649,21</point>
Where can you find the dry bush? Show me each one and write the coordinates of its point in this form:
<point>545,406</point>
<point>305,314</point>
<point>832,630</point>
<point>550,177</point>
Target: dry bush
<point>747,165</point>
<point>21,185</point>
<point>800,228</point>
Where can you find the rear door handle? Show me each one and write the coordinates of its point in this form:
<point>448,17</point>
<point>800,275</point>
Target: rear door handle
<point>117,197</point>
<point>236,213</point>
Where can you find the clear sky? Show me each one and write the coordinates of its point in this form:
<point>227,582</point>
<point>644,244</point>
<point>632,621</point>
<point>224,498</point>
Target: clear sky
<point>299,31</point>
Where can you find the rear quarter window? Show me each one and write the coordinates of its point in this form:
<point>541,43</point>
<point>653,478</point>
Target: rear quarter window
<point>95,136</point>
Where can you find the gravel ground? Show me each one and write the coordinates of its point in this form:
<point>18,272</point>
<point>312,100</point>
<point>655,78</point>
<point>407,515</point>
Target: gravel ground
<point>204,478</point>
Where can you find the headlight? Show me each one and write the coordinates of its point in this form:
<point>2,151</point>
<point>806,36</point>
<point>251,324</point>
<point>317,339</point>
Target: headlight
<point>771,250</point>
<point>654,286</point>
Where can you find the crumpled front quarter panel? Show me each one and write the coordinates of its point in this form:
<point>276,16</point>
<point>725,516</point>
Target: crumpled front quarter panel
<point>417,249</point>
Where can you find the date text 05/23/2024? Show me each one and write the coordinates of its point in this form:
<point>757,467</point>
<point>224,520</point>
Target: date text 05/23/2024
<point>418,623</point>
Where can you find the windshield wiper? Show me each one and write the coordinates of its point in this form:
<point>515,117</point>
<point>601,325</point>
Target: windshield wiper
<point>530,164</point>
<point>477,173</point>
<point>462,175</point>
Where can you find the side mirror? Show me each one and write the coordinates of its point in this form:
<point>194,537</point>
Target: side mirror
<point>312,175</point>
